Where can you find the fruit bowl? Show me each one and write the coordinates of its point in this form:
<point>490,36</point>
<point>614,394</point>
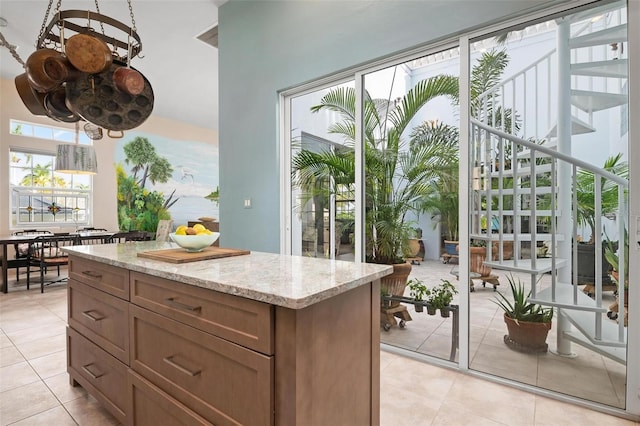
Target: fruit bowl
<point>194,243</point>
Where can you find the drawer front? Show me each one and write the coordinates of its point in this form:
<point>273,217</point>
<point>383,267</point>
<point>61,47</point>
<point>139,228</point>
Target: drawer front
<point>243,321</point>
<point>150,406</point>
<point>99,373</point>
<point>219,380</point>
<point>102,318</point>
<point>104,277</point>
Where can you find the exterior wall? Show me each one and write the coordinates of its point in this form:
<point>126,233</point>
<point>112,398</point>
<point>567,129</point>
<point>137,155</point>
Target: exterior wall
<point>265,47</point>
<point>104,183</point>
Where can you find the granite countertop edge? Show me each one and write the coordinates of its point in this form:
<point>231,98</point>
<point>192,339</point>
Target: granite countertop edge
<point>197,273</point>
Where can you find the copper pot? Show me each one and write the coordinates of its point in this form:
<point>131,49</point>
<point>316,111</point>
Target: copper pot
<point>46,69</point>
<point>88,53</point>
<point>33,100</point>
<point>128,80</point>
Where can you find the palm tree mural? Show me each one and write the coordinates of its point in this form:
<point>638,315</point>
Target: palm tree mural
<point>139,208</point>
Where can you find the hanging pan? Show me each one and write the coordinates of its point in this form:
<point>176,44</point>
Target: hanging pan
<point>97,100</point>
<point>47,69</point>
<point>55,105</point>
<point>34,101</point>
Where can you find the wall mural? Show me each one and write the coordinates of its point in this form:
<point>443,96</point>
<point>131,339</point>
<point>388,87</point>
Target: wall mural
<point>161,178</point>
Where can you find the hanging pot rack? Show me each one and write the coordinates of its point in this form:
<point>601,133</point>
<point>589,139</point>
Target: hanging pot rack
<point>65,27</point>
<point>100,86</point>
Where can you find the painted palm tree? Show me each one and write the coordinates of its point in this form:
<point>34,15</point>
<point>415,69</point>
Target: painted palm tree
<point>399,167</point>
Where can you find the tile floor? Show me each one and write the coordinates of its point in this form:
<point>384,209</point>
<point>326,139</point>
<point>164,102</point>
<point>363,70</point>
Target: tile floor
<point>34,386</point>
<point>588,375</point>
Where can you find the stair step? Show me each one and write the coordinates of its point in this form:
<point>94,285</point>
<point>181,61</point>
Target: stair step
<point>615,68</point>
<point>521,237</point>
<point>585,322</point>
<point>524,265</point>
<point>523,171</point>
<point>588,100</point>
<point>526,213</point>
<point>607,36</point>
<point>615,353</point>
<point>525,154</point>
<point>541,190</point>
<point>564,299</point>
<point>578,127</point>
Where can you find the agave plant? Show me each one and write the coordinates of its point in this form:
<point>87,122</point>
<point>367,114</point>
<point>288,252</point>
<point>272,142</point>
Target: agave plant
<point>520,309</point>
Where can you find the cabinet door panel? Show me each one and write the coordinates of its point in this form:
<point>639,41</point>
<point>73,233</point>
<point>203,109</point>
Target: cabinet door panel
<point>102,318</point>
<point>223,382</point>
<point>104,277</point>
<point>99,373</point>
<point>152,407</point>
<point>246,322</point>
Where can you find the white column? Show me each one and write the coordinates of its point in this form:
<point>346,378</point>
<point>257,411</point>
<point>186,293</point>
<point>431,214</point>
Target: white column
<point>564,172</point>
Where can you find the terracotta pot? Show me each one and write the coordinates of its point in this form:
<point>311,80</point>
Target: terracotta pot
<point>414,247</point>
<point>527,337</point>
<point>477,256</point>
<point>396,283</point>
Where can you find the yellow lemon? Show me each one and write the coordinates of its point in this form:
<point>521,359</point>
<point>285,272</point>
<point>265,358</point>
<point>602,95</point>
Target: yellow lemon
<point>181,230</point>
<point>198,227</point>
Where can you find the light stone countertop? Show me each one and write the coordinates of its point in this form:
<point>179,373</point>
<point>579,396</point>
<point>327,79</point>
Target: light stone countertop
<point>290,281</point>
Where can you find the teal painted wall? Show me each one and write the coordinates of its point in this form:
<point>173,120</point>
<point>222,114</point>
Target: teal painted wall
<point>268,46</point>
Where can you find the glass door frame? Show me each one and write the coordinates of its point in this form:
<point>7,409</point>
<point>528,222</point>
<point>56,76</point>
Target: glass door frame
<point>463,41</point>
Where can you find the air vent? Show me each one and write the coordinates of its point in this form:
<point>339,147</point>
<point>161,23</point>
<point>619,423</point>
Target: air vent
<point>210,36</point>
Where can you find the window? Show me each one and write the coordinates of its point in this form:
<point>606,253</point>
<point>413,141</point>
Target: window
<point>41,197</point>
<point>59,134</point>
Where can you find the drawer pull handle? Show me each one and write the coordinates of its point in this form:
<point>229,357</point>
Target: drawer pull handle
<point>169,360</point>
<point>172,302</point>
<point>89,372</point>
<point>92,274</point>
<point>93,316</point>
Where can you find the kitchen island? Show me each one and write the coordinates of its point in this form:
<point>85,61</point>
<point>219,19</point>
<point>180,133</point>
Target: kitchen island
<point>259,339</point>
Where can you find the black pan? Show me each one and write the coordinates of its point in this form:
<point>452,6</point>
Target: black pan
<point>97,100</point>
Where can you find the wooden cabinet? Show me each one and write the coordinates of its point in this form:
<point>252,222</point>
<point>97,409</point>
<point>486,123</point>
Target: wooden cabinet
<point>165,352</point>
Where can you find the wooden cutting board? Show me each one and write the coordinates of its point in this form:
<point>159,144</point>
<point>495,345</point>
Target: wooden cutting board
<point>180,255</point>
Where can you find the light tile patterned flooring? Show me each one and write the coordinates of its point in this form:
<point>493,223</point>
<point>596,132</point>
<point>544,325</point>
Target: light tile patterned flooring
<point>35,390</point>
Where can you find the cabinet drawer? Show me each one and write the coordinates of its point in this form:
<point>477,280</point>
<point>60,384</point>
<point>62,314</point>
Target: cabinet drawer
<point>219,380</point>
<point>102,318</point>
<point>104,277</point>
<point>99,373</point>
<point>150,406</point>
<point>246,322</point>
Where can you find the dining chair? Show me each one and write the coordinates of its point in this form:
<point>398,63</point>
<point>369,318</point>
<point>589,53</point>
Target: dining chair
<point>46,251</point>
<point>128,236</point>
<point>22,250</point>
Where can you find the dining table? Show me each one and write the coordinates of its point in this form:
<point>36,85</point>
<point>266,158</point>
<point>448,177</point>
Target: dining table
<point>8,240</point>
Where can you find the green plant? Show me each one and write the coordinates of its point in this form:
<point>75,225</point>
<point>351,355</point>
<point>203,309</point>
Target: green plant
<point>611,253</point>
<point>398,172</point>
<point>417,289</point>
<point>520,309</point>
<point>585,192</point>
<point>442,295</point>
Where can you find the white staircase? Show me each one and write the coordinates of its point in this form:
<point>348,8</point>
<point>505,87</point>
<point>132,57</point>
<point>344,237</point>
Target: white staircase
<point>520,176</point>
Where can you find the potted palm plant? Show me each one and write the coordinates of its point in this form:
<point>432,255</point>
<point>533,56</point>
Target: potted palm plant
<point>586,214</point>
<point>528,324</point>
<point>399,170</point>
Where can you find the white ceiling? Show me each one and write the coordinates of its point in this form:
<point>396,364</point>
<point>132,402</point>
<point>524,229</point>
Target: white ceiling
<point>182,70</point>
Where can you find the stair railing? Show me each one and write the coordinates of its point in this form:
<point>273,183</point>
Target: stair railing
<point>483,135</point>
